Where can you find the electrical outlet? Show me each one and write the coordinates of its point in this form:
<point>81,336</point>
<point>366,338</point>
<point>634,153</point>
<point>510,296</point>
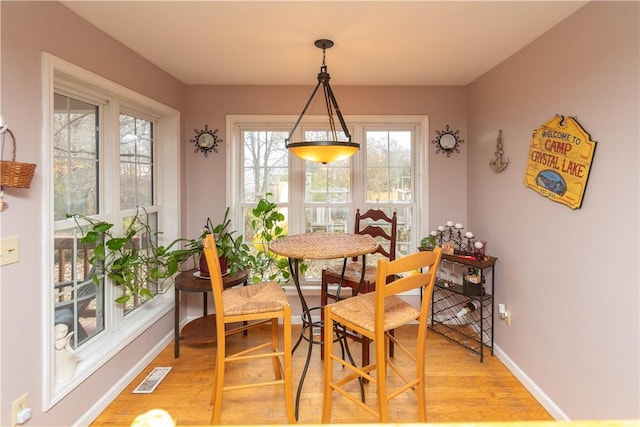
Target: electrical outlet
<point>18,405</point>
<point>504,313</point>
<point>8,250</point>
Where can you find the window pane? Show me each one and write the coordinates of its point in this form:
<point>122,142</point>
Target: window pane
<point>324,135</point>
<point>325,186</point>
<point>328,219</point>
<point>265,165</point>
<point>328,183</point>
<point>136,162</point>
<point>79,303</point>
<point>388,166</point>
<point>75,164</point>
<point>404,244</point>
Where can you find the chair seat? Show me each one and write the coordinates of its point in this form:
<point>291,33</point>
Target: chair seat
<point>260,298</point>
<point>360,310</point>
<point>353,272</point>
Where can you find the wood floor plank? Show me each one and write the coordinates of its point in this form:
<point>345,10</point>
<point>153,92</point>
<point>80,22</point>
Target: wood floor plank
<point>459,389</point>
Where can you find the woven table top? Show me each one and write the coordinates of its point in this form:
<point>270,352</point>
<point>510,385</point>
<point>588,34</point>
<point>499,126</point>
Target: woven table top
<point>323,245</point>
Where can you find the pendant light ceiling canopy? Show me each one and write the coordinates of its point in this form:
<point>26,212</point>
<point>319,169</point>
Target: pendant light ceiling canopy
<point>332,149</point>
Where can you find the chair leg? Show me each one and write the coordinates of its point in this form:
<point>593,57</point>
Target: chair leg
<point>420,375</point>
<point>381,378</point>
<point>218,382</point>
<point>365,350</point>
<point>324,300</point>
<point>277,367</point>
<point>288,363</point>
<point>328,368</point>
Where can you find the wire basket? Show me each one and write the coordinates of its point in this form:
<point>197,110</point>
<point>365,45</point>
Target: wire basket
<point>15,174</point>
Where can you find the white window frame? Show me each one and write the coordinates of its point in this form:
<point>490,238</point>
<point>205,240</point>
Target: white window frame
<point>119,331</point>
<point>358,124</point>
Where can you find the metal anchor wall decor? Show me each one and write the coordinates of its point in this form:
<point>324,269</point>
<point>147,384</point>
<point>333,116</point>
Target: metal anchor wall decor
<point>499,163</point>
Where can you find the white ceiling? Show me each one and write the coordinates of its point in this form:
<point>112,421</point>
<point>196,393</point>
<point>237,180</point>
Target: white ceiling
<point>376,42</point>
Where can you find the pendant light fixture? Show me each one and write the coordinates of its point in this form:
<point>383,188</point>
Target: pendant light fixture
<point>332,149</point>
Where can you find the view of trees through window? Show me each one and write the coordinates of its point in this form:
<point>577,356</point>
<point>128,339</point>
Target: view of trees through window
<point>136,162</point>
<point>75,163</point>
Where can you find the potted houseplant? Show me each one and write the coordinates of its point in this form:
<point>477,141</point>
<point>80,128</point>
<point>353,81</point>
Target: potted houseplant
<point>232,251</point>
<point>428,243</point>
<point>134,260</point>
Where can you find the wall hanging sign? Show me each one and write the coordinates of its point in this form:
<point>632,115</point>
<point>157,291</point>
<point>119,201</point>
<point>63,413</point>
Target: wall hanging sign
<point>559,161</point>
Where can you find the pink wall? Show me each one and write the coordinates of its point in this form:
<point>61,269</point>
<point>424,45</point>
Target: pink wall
<point>210,105</point>
<point>569,277</point>
<point>28,28</point>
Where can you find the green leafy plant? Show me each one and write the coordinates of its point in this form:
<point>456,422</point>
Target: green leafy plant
<point>268,225</point>
<point>233,248</point>
<point>134,260</point>
<point>428,243</point>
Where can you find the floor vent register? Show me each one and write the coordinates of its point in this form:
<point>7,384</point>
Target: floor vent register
<point>155,377</point>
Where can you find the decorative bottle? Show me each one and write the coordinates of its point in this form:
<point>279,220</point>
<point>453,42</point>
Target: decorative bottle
<point>472,305</point>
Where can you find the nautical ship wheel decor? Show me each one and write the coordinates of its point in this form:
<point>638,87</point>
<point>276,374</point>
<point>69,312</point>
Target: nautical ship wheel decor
<point>206,140</point>
<point>447,141</point>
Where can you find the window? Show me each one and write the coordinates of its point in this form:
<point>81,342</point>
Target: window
<point>136,185</point>
<point>78,302</point>
<point>387,173</point>
<point>136,162</point>
<point>112,153</point>
<point>390,179</point>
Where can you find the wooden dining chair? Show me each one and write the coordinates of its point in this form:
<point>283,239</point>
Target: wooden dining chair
<point>382,228</point>
<point>256,305</point>
<point>374,315</point>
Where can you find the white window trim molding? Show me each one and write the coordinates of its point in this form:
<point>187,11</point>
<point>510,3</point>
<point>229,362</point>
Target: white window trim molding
<point>118,332</point>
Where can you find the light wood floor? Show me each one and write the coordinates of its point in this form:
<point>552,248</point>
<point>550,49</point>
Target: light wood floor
<point>459,389</point>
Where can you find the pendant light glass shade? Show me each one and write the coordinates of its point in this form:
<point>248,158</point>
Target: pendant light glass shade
<point>330,150</point>
<point>323,151</point>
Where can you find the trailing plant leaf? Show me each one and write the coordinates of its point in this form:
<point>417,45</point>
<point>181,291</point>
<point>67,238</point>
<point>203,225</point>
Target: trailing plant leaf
<point>125,262</point>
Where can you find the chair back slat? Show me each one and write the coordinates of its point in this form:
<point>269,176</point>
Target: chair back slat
<point>376,230</point>
<point>411,264</point>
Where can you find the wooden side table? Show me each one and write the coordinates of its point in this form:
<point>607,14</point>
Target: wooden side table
<point>201,330</point>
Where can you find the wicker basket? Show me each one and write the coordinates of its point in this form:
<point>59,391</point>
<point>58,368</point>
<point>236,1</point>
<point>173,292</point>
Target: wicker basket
<point>16,174</point>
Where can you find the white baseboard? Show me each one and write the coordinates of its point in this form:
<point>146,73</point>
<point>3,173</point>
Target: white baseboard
<point>533,388</point>
<point>102,404</point>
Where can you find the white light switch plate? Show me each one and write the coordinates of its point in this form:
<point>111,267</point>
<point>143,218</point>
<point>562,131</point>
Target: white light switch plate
<point>9,250</point>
